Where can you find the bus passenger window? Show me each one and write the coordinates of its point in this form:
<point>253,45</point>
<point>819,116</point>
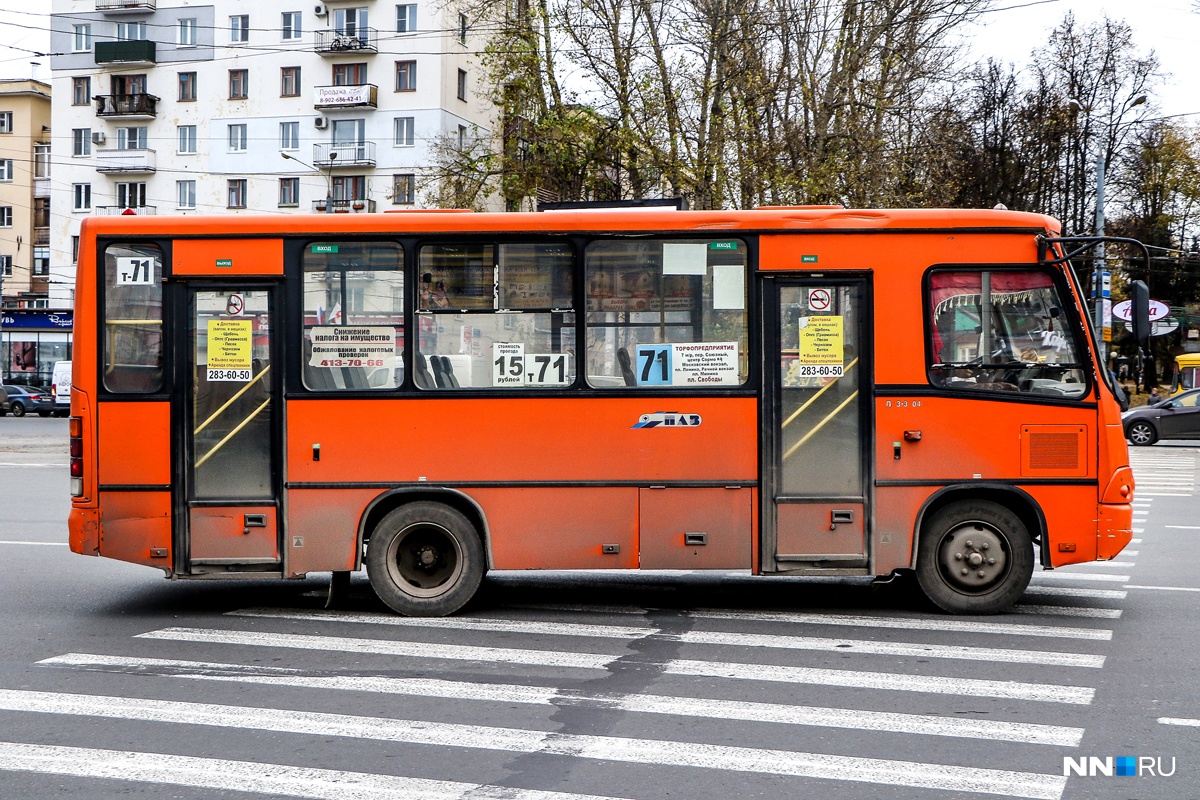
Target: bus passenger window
<point>133,308</point>
<point>495,316</point>
<point>1003,331</point>
<point>353,316</point>
<point>666,313</point>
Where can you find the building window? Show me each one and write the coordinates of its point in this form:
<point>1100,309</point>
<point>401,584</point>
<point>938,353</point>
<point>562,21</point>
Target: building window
<point>131,195</point>
<point>404,131</point>
<point>349,74</point>
<point>41,261</point>
<point>6,266</point>
<point>406,18</point>
<point>6,170</point>
<point>187,139</point>
<point>5,216</point>
<point>81,39</point>
<point>41,160</point>
<point>237,193</point>
<point>74,249</point>
<point>289,82</point>
<point>462,137</point>
<point>82,193</point>
<point>462,84</point>
<point>406,76</point>
<point>237,138</point>
<point>81,91</point>
<point>185,194</point>
<point>404,189</point>
<point>462,28</point>
<point>351,22</point>
<point>187,32</point>
<point>289,135</point>
<point>289,192</point>
<point>187,87</point>
<point>350,187</point>
<point>81,142</point>
<point>239,80</point>
<point>131,31</point>
<point>291,25</point>
<point>6,122</point>
<point>239,28</point>
<point>132,138</point>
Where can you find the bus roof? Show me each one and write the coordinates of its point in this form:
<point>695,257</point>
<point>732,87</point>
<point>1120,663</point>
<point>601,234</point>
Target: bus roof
<point>798,218</point>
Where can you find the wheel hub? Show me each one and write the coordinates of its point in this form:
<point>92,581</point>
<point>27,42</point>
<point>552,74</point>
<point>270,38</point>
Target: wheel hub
<point>972,556</point>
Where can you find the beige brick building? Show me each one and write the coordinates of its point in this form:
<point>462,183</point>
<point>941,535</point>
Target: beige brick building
<point>24,192</point>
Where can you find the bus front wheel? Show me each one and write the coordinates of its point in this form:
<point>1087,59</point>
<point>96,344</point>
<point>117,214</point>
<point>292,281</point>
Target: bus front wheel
<point>975,557</point>
<point>425,560</point>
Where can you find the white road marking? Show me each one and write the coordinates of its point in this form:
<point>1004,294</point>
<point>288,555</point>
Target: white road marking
<point>1071,591</point>
<point>1164,588</point>
<point>1104,564</point>
<point>1184,527</point>
<point>40,544</point>
<point>1068,611</point>
<point>911,623</point>
<point>526,628</point>
<point>899,682</point>
<point>848,719</point>
<point>1191,723</point>
<point>547,658</point>
<point>895,649</point>
<point>1058,575</point>
<point>248,776</point>
<point>604,748</point>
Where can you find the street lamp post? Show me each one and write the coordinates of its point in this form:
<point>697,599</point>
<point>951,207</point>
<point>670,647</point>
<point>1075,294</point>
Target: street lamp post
<point>328,177</point>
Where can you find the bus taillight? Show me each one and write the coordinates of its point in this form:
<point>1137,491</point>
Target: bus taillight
<point>76,451</point>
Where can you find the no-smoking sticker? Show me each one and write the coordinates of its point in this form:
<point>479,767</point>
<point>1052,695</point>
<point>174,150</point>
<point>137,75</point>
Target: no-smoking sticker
<point>819,299</point>
<point>235,305</point>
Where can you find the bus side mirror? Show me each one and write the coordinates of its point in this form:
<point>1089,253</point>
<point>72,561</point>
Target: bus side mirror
<point>1140,311</point>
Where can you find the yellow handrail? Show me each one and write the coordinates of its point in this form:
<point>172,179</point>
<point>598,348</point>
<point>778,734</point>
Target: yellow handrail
<point>820,425</point>
<point>820,392</point>
<point>232,433</point>
<point>229,402</point>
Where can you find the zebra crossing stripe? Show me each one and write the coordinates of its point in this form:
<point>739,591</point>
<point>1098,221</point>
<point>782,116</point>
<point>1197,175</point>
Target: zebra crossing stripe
<point>1058,575</point>
<point>1067,611</point>
<point>913,623</point>
<point>714,638</point>
<point>891,681</point>
<point>1071,591</point>
<point>888,772</point>
<point>278,780</point>
<point>746,711</point>
<point>826,677</point>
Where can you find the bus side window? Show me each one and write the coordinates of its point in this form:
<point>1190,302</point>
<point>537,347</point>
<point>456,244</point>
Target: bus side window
<point>666,313</point>
<point>133,308</point>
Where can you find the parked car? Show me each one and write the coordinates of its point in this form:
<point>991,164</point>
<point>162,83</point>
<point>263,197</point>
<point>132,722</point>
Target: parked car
<point>5,406</point>
<point>1176,417</point>
<point>60,388</point>
<point>23,399</point>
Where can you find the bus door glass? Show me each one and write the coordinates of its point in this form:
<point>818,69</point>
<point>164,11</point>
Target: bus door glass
<point>817,375</point>
<point>229,418</point>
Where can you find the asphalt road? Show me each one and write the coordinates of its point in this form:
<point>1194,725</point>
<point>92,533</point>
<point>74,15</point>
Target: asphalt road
<point>116,683</point>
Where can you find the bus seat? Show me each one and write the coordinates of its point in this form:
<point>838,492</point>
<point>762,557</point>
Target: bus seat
<point>448,373</point>
<point>439,374</point>
<point>626,367</point>
<point>421,376</point>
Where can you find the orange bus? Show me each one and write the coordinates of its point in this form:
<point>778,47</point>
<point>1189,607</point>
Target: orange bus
<point>788,391</point>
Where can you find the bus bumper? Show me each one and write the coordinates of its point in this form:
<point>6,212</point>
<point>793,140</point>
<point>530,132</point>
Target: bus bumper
<point>84,527</point>
<point>1114,531</point>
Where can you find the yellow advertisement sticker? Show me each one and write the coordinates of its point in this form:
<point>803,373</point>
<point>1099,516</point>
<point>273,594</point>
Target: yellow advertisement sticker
<point>229,344</point>
<point>821,343</point>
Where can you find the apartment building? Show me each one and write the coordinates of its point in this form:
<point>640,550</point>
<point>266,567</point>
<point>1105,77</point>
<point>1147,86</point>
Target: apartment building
<point>24,193</point>
<point>233,106</point>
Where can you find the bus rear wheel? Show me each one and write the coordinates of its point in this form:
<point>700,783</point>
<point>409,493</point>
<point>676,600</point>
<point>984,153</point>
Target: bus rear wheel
<point>425,559</point>
<point>975,557</point>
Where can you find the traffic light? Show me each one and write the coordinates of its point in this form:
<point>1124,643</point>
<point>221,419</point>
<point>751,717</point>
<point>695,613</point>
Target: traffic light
<point>1140,311</point>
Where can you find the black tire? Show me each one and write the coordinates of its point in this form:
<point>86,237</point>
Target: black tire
<point>43,413</point>
<point>1141,433</point>
<point>425,559</point>
<point>988,543</point>
<point>18,409</point>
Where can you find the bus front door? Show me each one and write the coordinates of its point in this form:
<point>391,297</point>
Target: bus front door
<point>816,416</point>
<point>229,416</point>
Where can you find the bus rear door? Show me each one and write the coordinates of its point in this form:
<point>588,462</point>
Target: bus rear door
<point>816,420</point>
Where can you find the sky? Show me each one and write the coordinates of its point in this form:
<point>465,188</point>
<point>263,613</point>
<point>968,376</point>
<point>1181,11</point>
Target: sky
<point>1009,33</point>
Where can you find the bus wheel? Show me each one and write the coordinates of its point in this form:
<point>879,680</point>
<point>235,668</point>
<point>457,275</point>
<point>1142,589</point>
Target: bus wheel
<point>425,560</point>
<point>976,557</point>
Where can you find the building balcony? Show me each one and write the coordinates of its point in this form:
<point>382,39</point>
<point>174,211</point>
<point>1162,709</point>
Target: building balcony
<point>140,160</point>
<point>128,106</point>
<point>39,285</point>
<point>361,95</point>
<point>41,236</point>
<point>41,187</point>
<point>345,206</point>
<point>361,154</point>
<point>125,6</point>
<point>339,43</point>
<point>140,51</point>
<point>114,211</point>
